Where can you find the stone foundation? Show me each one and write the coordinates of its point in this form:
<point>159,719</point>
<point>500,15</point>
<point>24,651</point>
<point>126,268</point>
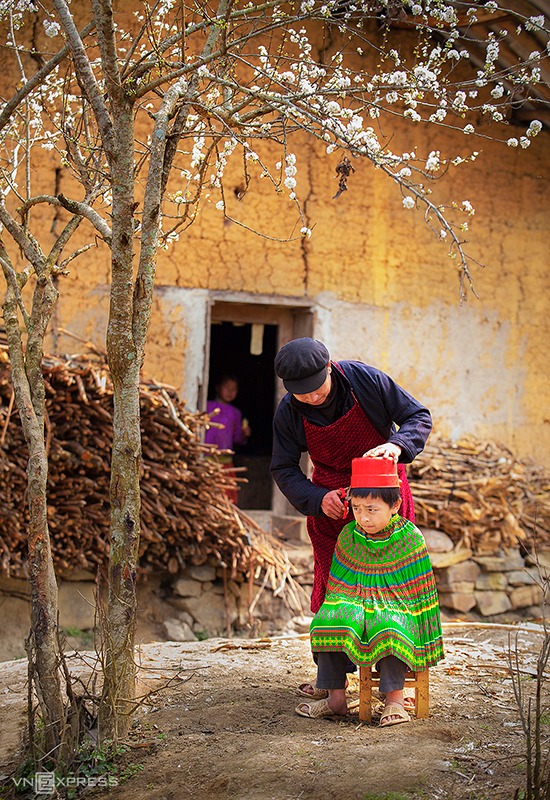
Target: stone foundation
<point>509,580</point>
<point>197,604</point>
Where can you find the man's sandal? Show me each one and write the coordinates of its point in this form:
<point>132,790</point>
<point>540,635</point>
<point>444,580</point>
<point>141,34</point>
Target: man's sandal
<point>314,694</point>
<point>408,702</point>
<point>397,712</point>
<point>319,709</point>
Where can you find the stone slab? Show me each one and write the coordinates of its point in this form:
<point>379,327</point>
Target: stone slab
<point>208,611</point>
<point>501,563</point>
<point>178,630</point>
<point>187,587</point>
<point>490,603</point>
<point>492,581</point>
<point>460,601</point>
<point>203,573</point>
<point>437,541</point>
<point>463,571</point>
<point>441,560</point>
<point>521,577</point>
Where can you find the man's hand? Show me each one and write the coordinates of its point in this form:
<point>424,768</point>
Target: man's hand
<point>386,450</point>
<point>332,505</point>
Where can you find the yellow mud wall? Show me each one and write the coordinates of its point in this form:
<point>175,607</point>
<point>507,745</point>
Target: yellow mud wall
<point>382,286</point>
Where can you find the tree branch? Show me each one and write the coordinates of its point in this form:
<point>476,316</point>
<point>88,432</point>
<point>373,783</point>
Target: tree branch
<point>85,210</point>
<point>85,76</point>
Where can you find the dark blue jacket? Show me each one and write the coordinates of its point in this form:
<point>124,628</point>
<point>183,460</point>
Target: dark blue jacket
<point>394,413</point>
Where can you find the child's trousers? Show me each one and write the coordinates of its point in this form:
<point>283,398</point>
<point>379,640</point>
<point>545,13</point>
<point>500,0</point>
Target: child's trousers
<point>332,669</point>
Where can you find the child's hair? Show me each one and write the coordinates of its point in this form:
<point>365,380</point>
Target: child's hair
<point>388,494</point>
<point>225,378</point>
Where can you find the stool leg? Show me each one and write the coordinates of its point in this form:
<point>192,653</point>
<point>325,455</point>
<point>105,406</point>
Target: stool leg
<point>422,694</point>
<point>365,694</point>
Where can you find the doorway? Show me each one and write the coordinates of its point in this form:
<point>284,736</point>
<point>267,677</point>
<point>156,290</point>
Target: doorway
<point>246,351</point>
<point>244,339</point>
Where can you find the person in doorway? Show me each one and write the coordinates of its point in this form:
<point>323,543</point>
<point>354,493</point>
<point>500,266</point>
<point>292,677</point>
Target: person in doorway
<point>337,411</point>
<point>230,428</point>
<point>381,605</point>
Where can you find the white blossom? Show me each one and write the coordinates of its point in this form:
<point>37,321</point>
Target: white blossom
<point>432,162</point>
<point>408,202</point>
<point>468,207</point>
<point>534,128</point>
<point>469,129</point>
<point>535,22</point>
<point>51,28</point>
<point>512,142</point>
<point>220,205</point>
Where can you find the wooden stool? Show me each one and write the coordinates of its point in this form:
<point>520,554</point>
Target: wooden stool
<point>419,681</point>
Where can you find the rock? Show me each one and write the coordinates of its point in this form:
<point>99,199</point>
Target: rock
<point>179,603</point>
<point>186,587</point>
<point>492,581</point>
<point>490,603</point>
<point>462,587</point>
<point>203,573</point>
<point>459,577</point>
<point>208,611</point>
<point>178,630</point>
<point>541,557</point>
<point>441,560</point>
<point>501,563</point>
<point>77,605</point>
<point>520,577</point>
<point>437,541</point>
<point>301,624</point>
<point>521,597</point>
<point>460,601</point>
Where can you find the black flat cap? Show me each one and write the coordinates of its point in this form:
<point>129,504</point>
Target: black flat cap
<point>302,365</point>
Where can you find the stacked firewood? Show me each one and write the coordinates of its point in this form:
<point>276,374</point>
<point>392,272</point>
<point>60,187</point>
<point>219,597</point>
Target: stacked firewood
<point>186,517</point>
<point>481,495</point>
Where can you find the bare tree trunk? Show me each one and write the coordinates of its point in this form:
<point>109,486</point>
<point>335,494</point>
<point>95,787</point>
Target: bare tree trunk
<point>42,644</point>
<point>124,364</point>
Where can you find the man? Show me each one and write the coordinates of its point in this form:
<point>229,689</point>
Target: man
<point>337,411</point>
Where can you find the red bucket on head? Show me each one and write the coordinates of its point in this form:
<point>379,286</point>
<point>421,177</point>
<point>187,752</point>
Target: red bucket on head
<point>373,473</point>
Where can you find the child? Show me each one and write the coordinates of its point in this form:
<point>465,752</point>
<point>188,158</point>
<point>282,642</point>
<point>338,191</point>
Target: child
<point>235,430</point>
<point>381,605</point>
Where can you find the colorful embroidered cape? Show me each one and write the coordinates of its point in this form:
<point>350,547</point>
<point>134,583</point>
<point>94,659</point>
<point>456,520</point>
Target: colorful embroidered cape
<point>381,598</point>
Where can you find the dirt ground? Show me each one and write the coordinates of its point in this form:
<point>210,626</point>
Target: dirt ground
<point>225,727</point>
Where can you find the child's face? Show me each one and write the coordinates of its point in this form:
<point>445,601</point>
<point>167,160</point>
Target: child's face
<point>372,514</point>
<point>228,391</point>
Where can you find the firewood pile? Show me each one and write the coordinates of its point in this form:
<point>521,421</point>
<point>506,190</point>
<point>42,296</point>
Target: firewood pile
<point>481,495</point>
<point>186,517</point>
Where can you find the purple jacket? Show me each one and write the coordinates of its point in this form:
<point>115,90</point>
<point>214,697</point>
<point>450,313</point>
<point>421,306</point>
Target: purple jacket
<point>231,418</point>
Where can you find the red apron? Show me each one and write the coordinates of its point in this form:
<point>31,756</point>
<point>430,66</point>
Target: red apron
<point>331,449</point>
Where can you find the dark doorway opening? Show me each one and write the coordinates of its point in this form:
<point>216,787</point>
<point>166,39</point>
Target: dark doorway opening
<point>247,351</point>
